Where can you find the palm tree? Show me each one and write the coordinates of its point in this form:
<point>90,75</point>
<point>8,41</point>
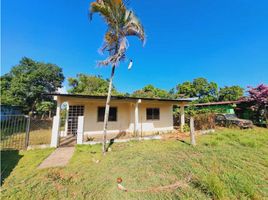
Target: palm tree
<point>121,23</point>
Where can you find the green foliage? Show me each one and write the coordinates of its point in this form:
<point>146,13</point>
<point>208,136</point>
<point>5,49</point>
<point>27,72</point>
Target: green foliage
<point>199,88</point>
<point>90,85</point>
<point>193,110</point>
<point>186,128</point>
<point>232,93</point>
<point>45,106</point>
<point>6,95</point>
<point>202,89</point>
<point>27,81</point>
<point>207,109</point>
<point>186,89</point>
<point>150,91</point>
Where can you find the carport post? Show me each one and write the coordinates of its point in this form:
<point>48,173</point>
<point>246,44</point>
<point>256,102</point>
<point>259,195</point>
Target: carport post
<point>66,120</point>
<point>80,130</point>
<point>56,125</point>
<point>136,119</point>
<point>182,116</point>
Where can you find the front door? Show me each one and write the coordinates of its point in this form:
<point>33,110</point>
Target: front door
<point>74,112</point>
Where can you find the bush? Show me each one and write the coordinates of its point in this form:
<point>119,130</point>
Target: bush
<point>203,121</point>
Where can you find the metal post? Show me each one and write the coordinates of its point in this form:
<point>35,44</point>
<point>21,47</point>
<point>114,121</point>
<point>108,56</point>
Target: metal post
<point>27,136</point>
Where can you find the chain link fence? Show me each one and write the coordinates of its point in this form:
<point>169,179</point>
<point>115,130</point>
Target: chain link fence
<point>40,131</point>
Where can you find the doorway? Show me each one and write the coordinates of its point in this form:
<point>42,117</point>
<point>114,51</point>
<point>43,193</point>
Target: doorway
<point>72,124</point>
<point>74,112</point>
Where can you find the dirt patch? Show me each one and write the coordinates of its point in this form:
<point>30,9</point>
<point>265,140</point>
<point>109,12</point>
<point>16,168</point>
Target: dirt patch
<point>175,136</point>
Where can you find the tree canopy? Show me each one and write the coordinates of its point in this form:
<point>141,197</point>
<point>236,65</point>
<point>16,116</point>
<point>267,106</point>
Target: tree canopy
<point>232,93</point>
<point>91,85</point>
<point>202,89</point>
<point>26,82</point>
<point>150,91</point>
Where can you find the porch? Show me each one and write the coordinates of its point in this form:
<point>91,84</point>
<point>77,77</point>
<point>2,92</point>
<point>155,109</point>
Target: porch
<point>84,124</point>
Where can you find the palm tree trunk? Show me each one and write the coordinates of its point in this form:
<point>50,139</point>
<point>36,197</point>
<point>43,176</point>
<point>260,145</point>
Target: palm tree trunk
<point>107,108</point>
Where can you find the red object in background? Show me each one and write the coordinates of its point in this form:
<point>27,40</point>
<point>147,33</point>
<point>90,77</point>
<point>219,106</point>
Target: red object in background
<point>119,180</point>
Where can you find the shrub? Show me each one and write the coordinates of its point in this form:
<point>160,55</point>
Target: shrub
<point>202,121</point>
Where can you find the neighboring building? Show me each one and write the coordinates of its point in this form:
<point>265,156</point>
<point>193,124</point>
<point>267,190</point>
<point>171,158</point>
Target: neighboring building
<point>7,110</point>
<point>142,116</point>
<point>242,108</point>
<point>225,106</point>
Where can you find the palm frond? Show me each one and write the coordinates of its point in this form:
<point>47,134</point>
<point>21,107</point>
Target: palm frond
<point>121,23</point>
<point>98,7</point>
<point>117,54</point>
<point>133,26</point>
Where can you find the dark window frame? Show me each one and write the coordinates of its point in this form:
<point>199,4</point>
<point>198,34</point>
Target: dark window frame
<point>152,113</point>
<point>101,111</point>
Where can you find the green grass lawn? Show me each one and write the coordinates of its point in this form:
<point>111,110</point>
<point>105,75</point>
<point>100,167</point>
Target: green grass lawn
<point>228,164</point>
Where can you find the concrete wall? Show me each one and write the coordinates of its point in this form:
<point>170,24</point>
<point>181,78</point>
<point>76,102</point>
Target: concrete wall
<point>163,124</point>
<point>125,116</point>
<point>92,126</point>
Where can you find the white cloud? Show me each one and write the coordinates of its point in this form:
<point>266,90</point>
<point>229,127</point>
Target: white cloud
<point>62,90</point>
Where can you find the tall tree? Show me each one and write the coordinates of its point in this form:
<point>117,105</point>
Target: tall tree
<point>45,107</point>
<point>87,84</point>
<point>27,81</point>
<point>202,89</point>
<point>121,23</point>
<point>150,91</point>
<point>232,93</point>
<point>186,89</point>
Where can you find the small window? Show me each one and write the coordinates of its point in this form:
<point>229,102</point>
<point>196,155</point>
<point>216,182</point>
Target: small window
<point>152,113</point>
<point>112,114</point>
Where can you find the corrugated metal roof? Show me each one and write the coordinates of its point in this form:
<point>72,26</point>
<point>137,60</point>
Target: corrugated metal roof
<point>219,103</point>
<point>117,97</point>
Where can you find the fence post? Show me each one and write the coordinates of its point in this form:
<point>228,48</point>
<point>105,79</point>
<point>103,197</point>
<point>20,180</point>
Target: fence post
<point>80,130</point>
<point>192,131</point>
<point>27,136</point>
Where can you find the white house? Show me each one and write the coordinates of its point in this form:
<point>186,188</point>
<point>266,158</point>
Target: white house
<point>138,116</point>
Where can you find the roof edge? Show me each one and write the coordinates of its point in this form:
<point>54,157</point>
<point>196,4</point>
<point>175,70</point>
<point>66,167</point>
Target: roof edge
<point>116,97</point>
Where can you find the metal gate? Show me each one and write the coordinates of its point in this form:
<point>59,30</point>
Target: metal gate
<point>74,112</point>
<point>14,131</point>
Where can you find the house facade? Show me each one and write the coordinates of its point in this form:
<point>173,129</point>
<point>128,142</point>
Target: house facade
<point>136,116</point>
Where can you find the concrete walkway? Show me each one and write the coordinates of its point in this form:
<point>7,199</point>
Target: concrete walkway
<point>59,158</point>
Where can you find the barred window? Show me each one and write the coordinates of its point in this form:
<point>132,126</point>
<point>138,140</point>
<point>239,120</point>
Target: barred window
<point>153,113</point>
<point>112,114</point>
